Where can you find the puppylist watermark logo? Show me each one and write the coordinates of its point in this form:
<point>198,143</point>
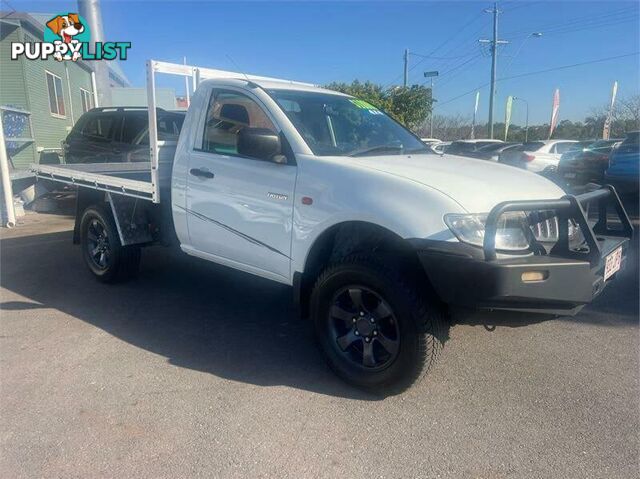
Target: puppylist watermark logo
<point>67,37</point>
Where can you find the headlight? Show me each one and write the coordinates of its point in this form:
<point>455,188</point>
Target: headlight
<point>544,227</point>
<point>509,235</point>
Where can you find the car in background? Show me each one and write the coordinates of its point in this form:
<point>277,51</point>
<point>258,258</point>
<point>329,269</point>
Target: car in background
<point>586,164</point>
<point>624,164</point>
<point>537,156</point>
<point>576,149</point>
<point>465,147</point>
<point>491,152</point>
<point>117,135</point>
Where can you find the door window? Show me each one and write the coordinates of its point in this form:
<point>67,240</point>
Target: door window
<point>169,127</point>
<point>228,113</point>
<point>98,127</point>
<point>134,125</point>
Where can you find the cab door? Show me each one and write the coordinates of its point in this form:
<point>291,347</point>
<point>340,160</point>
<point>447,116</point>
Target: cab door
<point>239,209</point>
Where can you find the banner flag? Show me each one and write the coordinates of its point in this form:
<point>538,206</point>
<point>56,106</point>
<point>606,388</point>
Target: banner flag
<point>507,116</point>
<point>475,113</point>
<point>606,131</point>
<point>554,112</point>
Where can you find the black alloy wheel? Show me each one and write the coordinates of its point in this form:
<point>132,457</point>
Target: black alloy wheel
<point>103,253</point>
<point>364,327</point>
<point>98,246</point>
<point>375,327</point>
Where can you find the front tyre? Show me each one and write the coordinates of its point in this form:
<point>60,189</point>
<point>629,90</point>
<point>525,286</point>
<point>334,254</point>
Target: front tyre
<point>102,251</point>
<point>376,331</point>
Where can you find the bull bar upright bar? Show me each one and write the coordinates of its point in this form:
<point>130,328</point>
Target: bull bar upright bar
<point>568,207</point>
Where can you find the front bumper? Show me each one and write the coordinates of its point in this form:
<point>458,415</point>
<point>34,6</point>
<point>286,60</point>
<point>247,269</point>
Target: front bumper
<point>465,275</point>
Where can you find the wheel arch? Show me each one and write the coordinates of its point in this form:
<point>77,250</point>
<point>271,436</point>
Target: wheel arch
<point>347,238</point>
<point>84,199</point>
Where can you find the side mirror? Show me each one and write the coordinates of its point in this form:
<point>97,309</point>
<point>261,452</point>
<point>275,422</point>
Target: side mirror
<point>260,143</point>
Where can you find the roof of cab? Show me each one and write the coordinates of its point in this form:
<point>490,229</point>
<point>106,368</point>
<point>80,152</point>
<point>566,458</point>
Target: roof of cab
<point>277,85</point>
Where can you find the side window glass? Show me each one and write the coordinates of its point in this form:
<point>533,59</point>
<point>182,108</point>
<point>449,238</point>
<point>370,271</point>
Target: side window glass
<point>228,113</point>
<point>98,127</point>
<point>133,126</point>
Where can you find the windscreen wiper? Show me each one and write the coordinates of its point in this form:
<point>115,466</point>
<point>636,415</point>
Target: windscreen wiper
<point>375,149</point>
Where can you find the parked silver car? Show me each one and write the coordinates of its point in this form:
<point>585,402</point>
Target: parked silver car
<point>538,156</point>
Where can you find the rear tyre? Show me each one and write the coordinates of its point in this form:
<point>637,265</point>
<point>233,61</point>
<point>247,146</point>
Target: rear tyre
<point>376,331</point>
<point>102,251</point>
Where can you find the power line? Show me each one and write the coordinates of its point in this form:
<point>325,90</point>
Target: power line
<point>455,34</point>
<point>440,58</point>
<point>450,78</point>
<point>520,5</point>
<point>562,67</point>
<point>576,21</point>
<point>589,26</point>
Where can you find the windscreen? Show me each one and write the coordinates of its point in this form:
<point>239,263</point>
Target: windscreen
<point>335,125</point>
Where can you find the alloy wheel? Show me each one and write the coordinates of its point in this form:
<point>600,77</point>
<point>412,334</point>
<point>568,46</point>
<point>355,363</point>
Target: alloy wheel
<point>364,328</point>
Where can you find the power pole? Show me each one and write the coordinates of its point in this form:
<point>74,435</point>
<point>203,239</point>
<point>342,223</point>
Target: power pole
<point>406,67</point>
<point>431,75</point>
<point>494,62</point>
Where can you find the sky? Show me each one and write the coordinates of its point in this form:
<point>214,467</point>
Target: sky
<point>322,42</point>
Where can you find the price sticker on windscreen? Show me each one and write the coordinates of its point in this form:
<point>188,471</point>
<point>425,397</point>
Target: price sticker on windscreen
<point>363,105</point>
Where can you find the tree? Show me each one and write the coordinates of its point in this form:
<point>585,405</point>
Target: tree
<point>408,105</point>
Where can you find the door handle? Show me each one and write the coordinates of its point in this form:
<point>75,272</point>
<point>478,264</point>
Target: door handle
<point>200,173</point>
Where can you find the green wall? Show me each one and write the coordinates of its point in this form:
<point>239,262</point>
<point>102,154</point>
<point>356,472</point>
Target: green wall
<point>12,83</point>
<point>24,83</point>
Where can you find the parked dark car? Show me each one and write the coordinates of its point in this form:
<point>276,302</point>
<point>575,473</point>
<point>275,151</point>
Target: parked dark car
<point>577,148</point>
<point>492,151</point>
<point>624,165</point>
<point>586,164</point>
<point>117,134</point>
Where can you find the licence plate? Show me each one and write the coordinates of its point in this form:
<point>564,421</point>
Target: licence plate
<point>569,175</point>
<point>612,263</point>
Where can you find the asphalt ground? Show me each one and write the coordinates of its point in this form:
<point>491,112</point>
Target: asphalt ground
<point>195,370</point>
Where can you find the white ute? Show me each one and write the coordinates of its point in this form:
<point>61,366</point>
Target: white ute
<point>326,193</point>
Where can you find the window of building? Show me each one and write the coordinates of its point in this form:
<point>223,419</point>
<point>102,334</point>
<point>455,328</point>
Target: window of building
<point>228,113</point>
<point>56,97</point>
<point>87,100</point>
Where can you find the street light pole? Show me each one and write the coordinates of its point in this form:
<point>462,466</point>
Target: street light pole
<point>526,125</point>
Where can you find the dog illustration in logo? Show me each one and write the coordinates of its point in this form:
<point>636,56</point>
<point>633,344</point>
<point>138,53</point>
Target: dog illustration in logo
<point>66,27</point>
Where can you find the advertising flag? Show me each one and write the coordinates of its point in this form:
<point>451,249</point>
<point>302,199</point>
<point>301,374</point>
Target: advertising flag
<point>507,116</point>
<point>475,113</point>
<point>606,132</point>
<point>554,112</point>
